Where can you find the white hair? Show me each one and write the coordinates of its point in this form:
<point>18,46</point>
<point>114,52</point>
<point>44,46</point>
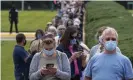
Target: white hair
<point>60,26</point>
<point>109,29</point>
<point>52,29</point>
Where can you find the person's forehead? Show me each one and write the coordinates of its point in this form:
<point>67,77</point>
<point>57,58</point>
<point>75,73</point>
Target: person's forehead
<point>110,34</point>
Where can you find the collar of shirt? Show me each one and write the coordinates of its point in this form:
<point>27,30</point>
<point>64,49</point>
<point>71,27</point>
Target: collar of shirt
<point>19,46</point>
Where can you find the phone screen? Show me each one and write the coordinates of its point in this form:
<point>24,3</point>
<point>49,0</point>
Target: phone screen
<point>49,66</point>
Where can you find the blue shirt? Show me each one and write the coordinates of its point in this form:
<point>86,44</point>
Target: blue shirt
<point>109,67</point>
<point>19,54</point>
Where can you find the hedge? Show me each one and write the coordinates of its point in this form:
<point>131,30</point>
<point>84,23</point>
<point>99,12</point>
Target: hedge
<point>109,13</point>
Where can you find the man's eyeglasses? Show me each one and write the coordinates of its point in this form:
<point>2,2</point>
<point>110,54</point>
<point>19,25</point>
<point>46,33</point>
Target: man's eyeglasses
<point>108,39</point>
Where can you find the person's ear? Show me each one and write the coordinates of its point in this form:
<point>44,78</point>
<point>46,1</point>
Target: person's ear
<point>23,40</point>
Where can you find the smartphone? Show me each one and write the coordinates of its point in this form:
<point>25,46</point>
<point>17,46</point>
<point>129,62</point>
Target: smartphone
<point>49,66</point>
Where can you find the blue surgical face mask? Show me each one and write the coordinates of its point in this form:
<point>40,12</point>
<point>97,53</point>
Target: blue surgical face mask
<point>110,45</point>
<point>39,36</point>
<point>73,41</point>
<point>48,53</point>
<point>59,34</point>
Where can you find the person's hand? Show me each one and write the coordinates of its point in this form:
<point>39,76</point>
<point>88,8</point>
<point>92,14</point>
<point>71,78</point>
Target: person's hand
<point>52,71</point>
<point>76,55</point>
<point>44,71</point>
<point>83,56</point>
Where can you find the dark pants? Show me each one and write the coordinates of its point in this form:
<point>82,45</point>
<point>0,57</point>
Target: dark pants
<point>21,77</point>
<point>11,24</point>
<point>77,77</point>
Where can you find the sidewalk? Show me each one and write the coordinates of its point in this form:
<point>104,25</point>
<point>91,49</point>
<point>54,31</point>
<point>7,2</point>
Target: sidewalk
<point>8,36</point>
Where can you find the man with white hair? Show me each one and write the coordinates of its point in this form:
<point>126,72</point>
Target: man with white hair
<point>61,30</point>
<point>53,30</point>
<point>109,65</point>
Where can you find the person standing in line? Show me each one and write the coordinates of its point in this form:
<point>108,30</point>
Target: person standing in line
<point>13,18</point>
<point>49,64</point>
<point>70,46</point>
<point>35,47</point>
<point>61,30</point>
<point>99,47</point>
<point>20,56</point>
<point>109,64</point>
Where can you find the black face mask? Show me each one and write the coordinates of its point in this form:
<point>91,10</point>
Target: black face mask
<point>25,42</point>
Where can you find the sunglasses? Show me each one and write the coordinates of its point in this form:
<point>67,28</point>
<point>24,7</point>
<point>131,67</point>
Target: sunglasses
<point>108,39</point>
<point>48,42</point>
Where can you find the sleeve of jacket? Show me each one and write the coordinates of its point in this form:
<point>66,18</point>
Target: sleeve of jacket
<point>65,74</point>
<point>34,73</point>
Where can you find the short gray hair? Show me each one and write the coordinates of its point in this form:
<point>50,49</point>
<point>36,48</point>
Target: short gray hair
<point>52,29</point>
<point>110,29</point>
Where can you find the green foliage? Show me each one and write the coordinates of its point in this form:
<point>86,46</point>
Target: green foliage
<point>108,13</point>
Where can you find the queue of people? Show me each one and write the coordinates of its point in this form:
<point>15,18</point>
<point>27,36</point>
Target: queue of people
<point>58,53</point>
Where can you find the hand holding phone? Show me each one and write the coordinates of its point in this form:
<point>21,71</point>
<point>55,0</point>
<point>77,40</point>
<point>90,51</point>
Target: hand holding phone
<point>76,54</point>
<point>44,71</point>
<point>51,69</point>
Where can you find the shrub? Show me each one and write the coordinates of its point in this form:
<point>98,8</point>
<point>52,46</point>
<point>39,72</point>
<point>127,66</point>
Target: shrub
<point>109,13</point>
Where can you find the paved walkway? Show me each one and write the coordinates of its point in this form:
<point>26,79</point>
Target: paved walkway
<point>7,36</point>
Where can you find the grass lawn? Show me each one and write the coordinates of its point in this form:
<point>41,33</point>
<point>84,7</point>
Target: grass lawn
<point>7,66</point>
<point>131,11</point>
<point>28,20</point>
